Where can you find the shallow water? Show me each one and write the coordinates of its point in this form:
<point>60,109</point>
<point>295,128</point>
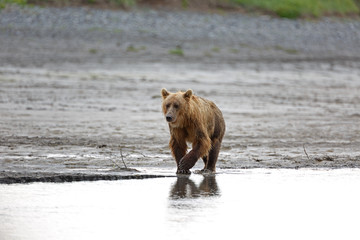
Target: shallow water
<point>250,204</point>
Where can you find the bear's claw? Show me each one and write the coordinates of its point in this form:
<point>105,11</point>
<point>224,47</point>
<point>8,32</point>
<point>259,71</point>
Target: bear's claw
<point>183,171</point>
<point>205,172</point>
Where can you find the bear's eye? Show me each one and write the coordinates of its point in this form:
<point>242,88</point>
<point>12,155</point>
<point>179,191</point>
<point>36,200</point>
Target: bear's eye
<point>167,105</point>
<point>176,105</point>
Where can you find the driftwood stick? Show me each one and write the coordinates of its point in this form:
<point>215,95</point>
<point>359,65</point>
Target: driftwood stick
<point>122,157</point>
<point>306,152</point>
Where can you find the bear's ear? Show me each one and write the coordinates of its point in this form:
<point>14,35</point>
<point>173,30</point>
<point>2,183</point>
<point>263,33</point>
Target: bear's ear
<point>164,93</point>
<point>188,94</point>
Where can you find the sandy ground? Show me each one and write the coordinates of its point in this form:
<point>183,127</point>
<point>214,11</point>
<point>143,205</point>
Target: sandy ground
<point>73,109</point>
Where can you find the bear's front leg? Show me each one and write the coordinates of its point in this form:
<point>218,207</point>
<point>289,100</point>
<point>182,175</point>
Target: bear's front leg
<point>188,161</point>
<point>200,148</point>
<point>178,149</point>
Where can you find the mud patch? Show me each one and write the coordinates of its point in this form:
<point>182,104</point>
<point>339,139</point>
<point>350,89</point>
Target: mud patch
<point>61,178</point>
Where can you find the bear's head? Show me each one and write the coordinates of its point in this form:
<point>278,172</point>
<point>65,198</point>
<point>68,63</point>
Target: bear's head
<point>175,106</point>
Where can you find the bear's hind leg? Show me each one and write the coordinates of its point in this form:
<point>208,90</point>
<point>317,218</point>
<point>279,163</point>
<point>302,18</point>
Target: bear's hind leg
<point>204,170</point>
<point>213,155</point>
<point>205,159</point>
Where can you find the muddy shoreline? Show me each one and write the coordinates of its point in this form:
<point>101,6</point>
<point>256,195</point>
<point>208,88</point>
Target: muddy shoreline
<point>62,178</point>
<point>80,90</point>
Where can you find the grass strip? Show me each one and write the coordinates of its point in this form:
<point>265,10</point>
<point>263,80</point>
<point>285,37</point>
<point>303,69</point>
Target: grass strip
<point>302,8</point>
<point>283,8</point>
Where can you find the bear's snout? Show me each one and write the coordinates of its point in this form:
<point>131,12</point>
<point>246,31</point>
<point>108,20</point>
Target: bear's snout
<point>169,118</point>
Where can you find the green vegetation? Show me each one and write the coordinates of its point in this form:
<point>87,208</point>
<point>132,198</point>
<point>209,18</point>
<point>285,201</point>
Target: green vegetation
<point>281,8</point>
<point>3,3</point>
<point>123,3</point>
<point>287,50</point>
<point>302,8</point>
<point>93,51</point>
<point>215,49</point>
<point>177,51</point>
<point>132,48</point>
<point>234,50</point>
<point>114,3</point>
<point>109,3</point>
<point>185,3</point>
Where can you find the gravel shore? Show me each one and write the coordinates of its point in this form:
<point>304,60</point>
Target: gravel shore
<point>52,36</point>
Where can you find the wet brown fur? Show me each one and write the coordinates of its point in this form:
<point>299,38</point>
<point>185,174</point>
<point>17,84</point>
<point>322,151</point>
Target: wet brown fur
<point>195,120</point>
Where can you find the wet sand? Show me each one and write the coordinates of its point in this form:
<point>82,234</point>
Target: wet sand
<point>80,112</point>
<point>77,122</point>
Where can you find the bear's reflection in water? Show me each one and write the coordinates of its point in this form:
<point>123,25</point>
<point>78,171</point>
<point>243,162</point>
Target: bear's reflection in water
<point>184,187</point>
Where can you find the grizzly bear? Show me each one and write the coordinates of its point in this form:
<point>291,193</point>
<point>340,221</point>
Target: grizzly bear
<point>198,121</point>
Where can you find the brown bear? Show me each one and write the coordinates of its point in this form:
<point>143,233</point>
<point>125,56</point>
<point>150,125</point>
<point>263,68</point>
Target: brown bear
<point>198,121</point>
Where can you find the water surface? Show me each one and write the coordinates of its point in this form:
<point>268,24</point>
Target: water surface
<point>249,204</point>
